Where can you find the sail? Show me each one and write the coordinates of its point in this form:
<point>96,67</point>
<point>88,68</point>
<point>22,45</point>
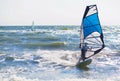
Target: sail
<point>32,28</point>
<point>91,31</point>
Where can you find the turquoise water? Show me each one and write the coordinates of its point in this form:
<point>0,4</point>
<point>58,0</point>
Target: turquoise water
<point>49,53</point>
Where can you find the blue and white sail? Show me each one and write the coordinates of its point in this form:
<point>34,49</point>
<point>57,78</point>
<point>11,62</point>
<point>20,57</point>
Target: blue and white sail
<point>91,31</point>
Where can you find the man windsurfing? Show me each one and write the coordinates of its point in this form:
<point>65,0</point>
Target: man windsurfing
<point>83,52</point>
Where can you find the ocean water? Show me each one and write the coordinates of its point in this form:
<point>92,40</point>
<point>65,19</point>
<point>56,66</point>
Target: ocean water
<point>49,53</point>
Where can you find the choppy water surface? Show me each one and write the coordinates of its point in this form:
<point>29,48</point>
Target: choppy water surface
<point>51,52</point>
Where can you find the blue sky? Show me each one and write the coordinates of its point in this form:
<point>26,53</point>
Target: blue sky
<point>56,12</point>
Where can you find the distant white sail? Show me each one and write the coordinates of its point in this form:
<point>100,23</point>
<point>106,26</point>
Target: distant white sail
<point>32,28</point>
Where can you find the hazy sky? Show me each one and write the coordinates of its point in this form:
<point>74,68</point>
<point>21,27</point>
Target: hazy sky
<point>56,12</point>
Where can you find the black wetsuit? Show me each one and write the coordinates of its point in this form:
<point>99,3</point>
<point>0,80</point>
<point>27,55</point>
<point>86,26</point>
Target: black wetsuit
<point>83,52</point>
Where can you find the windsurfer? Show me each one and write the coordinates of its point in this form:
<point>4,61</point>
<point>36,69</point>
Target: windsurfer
<point>83,51</point>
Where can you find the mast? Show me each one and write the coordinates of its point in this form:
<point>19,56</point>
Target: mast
<point>81,36</point>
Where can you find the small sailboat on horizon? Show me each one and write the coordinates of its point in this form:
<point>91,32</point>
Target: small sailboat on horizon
<point>91,36</point>
<point>33,28</point>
